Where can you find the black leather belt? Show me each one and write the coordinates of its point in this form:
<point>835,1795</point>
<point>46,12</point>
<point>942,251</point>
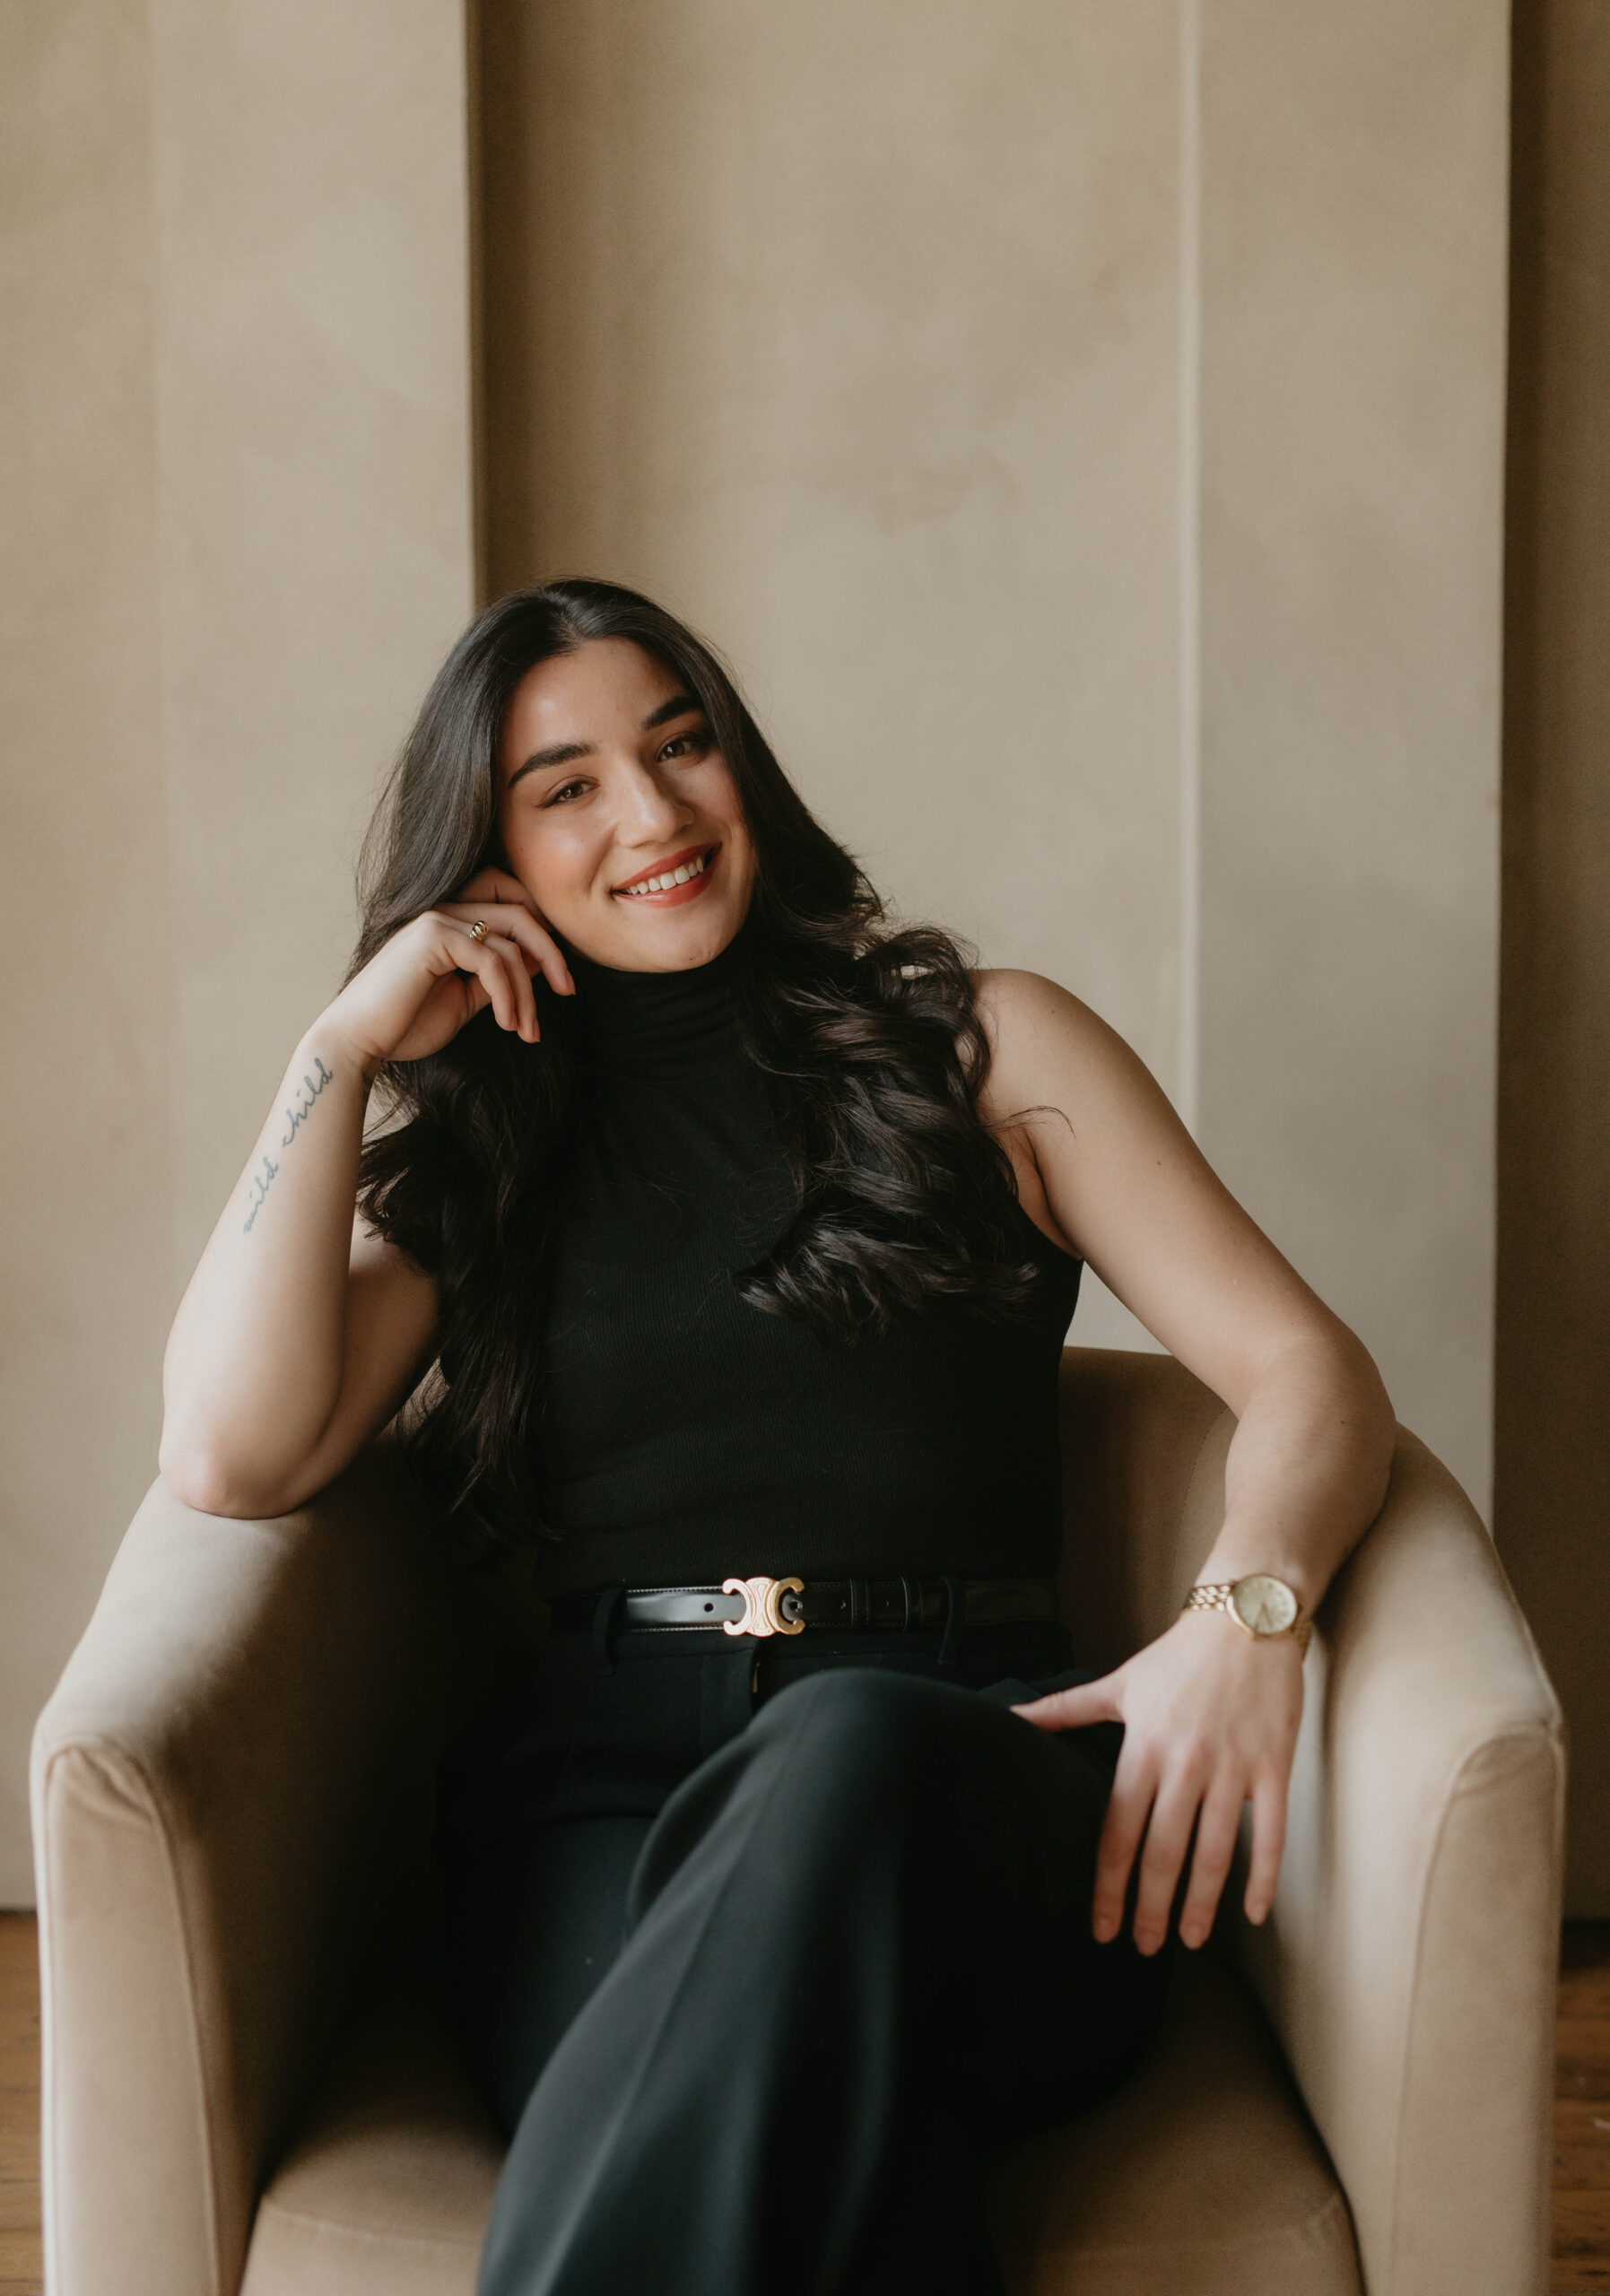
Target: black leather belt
<point>767,1606</point>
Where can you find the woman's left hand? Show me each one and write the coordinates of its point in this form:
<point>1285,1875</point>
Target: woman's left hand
<point>1210,1719</point>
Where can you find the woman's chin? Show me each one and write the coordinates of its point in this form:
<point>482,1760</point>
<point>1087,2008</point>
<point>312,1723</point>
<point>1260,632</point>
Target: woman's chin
<point>657,939</point>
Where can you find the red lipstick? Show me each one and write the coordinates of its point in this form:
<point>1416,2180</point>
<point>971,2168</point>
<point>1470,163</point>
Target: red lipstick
<point>670,896</point>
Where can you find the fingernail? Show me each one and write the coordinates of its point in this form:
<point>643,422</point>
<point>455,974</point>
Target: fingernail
<point>1105,1930</point>
<point>1192,1936</point>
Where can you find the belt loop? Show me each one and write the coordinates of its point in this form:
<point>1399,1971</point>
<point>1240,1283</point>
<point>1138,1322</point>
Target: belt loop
<point>911,1595</point>
<point>604,1622</point>
<point>860,1605</point>
<point>955,1619</point>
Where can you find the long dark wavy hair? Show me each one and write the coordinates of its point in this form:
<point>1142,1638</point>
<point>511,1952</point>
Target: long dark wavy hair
<point>868,1038</point>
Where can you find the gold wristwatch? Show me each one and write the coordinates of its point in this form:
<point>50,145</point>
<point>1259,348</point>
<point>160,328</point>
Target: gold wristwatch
<point>1263,1606</point>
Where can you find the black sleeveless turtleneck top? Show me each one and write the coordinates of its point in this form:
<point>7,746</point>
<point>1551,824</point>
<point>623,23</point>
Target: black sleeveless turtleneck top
<point>686,1437</point>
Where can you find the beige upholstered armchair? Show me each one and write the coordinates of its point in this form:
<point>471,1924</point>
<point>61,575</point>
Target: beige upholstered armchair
<point>231,1788</point>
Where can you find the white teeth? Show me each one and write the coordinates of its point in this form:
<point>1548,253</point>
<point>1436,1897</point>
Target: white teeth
<point>677,876</point>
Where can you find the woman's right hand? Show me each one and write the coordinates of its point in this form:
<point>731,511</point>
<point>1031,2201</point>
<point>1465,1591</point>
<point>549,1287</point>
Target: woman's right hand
<point>421,986</point>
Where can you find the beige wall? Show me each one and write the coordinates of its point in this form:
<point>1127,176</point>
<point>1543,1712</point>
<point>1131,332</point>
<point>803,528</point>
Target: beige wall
<point>1079,424</point>
<point>1083,427</point>
<point>1353,231</point>
<point>1551,1494</point>
<point>88,1262</point>
<point>860,348</point>
<point>312,361</point>
<point>237,489</point>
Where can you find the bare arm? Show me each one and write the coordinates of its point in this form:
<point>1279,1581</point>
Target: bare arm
<point>1211,1716</point>
<point>301,1332</point>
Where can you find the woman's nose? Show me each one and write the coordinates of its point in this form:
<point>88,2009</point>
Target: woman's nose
<point>648,807</point>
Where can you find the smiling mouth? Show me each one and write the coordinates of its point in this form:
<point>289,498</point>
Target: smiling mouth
<point>668,876</point>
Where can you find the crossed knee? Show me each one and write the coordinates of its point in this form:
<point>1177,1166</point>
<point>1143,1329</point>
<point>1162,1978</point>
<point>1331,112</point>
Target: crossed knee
<point>870,1717</point>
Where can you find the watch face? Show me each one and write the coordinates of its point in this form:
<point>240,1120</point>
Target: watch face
<point>1264,1605</point>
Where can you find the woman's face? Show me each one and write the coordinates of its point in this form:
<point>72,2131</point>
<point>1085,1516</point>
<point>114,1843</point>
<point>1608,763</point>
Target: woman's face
<point>610,781</point>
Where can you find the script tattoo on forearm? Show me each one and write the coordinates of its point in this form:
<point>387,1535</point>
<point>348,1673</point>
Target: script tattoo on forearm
<point>261,1182</point>
<point>296,1116</point>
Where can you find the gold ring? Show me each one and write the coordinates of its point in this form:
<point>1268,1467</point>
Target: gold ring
<point>478,929</point>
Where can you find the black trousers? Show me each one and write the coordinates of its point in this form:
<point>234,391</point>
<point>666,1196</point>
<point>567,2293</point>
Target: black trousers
<point>759,1950</point>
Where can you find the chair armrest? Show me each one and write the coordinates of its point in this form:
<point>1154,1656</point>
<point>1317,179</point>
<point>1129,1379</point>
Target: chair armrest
<point>235,1758</point>
<point>1409,1960</point>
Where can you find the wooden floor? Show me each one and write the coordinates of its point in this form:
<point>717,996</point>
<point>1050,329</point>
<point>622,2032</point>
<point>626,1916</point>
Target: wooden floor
<point>21,2273</point>
<point>1582,2113</point>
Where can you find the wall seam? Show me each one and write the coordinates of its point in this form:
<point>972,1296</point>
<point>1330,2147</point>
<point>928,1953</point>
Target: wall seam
<point>1187,1079</point>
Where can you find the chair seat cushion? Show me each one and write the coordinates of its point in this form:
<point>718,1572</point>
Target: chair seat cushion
<point>388,2187</point>
<point>1202,2178</point>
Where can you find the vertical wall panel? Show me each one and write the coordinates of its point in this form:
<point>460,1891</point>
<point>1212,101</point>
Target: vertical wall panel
<point>234,418</point>
<point>851,332</point>
<point>1082,425</point>
<point>1551,1494</point>
<point>1353,389</point>
<point>84,1291</point>
<point>313,367</point>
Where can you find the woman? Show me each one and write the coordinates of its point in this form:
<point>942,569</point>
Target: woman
<point>739,1235</point>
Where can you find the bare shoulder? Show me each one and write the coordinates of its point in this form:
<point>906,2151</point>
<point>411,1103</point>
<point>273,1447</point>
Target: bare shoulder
<point>1017,1007</point>
<point>1044,1041</point>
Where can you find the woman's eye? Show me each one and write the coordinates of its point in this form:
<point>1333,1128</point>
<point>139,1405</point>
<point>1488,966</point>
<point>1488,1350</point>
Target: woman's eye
<point>681,742</point>
<point>566,790</point>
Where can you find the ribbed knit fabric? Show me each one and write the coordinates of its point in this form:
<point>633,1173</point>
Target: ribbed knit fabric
<point>687,1437</point>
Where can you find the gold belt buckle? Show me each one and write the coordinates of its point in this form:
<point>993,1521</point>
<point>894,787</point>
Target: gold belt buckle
<point>763,1606</point>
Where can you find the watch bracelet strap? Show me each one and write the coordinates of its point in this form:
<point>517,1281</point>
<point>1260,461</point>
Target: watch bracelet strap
<point>1217,1598</point>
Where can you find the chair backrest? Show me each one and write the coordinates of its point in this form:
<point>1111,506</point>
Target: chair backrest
<point>1143,1494</point>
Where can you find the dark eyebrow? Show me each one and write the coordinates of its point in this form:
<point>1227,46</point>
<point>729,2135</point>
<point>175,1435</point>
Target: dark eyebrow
<point>561,754</point>
<point>678,705</point>
<point>567,753</point>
